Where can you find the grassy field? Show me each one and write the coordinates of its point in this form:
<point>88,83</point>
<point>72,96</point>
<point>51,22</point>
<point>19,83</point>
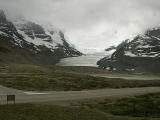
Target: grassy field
<point>147,108</point>
<point>139,106</point>
<point>29,77</point>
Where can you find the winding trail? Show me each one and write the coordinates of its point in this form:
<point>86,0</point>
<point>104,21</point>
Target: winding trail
<point>30,97</point>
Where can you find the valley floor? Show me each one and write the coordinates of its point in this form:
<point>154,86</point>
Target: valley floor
<point>40,78</point>
<point>76,93</point>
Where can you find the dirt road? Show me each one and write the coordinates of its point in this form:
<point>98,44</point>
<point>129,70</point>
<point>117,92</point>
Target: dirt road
<point>29,97</point>
<point>129,76</point>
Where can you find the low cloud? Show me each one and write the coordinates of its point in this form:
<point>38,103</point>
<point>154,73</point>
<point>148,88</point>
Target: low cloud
<point>90,24</point>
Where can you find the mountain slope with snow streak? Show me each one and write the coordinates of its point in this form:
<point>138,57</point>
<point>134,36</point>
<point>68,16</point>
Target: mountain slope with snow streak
<point>32,42</point>
<point>141,54</point>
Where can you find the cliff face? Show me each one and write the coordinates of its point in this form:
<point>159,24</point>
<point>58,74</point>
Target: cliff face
<point>22,41</point>
<point>141,54</point>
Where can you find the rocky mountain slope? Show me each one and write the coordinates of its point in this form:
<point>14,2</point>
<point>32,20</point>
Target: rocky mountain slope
<point>122,44</point>
<point>141,54</point>
<point>23,41</point>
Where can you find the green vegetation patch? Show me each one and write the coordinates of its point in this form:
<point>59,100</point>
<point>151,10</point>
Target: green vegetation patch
<point>139,106</point>
<point>144,107</point>
<point>46,112</point>
<point>62,81</point>
<point>40,78</point>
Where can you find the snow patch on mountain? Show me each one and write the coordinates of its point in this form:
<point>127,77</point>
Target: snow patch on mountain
<point>35,37</point>
<point>40,35</point>
<point>38,41</point>
<point>141,54</point>
<point>128,53</point>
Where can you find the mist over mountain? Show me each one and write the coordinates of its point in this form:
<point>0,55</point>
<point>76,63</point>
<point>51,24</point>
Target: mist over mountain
<point>141,54</point>
<point>90,24</point>
<point>23,41</point>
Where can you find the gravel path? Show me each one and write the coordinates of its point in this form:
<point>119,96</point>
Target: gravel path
<point>129,77</point>
<point>29,97</point>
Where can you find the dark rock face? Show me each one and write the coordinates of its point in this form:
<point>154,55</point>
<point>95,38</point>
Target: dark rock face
<point>69,49</point>
<point>7,27</point>
<point>2,17</point>
<point>37,32</point>
<point>141,54</point>
<point>34,30</point>
<point>122,44</point>
<point>15,46</point>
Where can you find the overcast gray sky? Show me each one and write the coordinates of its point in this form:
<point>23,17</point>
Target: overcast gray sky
<point>91,24</point>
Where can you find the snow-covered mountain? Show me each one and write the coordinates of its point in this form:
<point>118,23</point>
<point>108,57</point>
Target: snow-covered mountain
<point>47,44</point>
<point>141,54</point>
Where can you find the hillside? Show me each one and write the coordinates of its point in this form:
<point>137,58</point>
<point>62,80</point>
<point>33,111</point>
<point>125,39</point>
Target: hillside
<point>141,54</point>
<point>23,41</point>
